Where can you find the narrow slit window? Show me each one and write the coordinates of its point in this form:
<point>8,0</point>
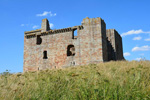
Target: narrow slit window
<point>45,55</point>
<point>38,40</point>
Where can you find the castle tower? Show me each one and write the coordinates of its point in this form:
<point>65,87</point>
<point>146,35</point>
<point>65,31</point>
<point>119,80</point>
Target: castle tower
<point>115,50</point>
<point>46,49</point>
<point>93,41</point>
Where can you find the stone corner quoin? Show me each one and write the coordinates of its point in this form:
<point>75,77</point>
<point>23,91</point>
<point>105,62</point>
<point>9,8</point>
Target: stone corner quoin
<point>47,49</point>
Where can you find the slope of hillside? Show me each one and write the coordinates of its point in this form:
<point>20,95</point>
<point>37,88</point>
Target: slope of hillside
<point>112,80</point>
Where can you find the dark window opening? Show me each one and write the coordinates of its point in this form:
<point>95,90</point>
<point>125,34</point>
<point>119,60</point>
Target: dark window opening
<point>74,34</point>
<point>45,55</point>
<point>70,50</point>
<point>73,63</point>
<point>38,40</point>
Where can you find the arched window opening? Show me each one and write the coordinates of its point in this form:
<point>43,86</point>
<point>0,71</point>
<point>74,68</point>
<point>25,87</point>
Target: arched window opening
<point>38,40</point>
<point>45,55</point>
<point>70,50</point>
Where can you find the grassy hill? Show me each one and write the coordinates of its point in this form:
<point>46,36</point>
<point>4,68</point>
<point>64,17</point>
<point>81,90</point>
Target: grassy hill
<point>110,81</point>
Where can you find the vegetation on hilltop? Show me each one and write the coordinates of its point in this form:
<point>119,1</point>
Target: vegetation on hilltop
<point>113,80</point>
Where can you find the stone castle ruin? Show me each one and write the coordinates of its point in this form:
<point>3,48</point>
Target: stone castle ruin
<point>46,49</point>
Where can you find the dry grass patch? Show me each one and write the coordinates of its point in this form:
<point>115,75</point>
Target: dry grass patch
<point>111,80</point>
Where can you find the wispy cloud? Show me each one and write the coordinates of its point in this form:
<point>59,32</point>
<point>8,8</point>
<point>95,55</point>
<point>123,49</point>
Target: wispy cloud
<point>143,48</point>
<point>148,39</point>
<point>126,54</point>
<point>131,32</point>
<point>138,59</point>
<point>30,25</point>
<point>25,25</point>
<point>137,38</point>
<point>22,25</point>
<point>46,13</point>
<point>35,26</point>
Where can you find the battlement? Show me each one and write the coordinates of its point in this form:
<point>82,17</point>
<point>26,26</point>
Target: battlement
<point>32,34</point>
<point>87,20</point>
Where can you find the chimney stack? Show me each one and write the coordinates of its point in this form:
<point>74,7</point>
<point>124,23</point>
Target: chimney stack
<point>45,25</point>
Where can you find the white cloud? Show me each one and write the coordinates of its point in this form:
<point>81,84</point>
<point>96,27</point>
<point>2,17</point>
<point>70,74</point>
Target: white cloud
<point>138,59</point>
<point>35,26</point>
<point>51,25</point>
<point>46,13</point>
<point>137,38</point>
<point>143,48</point>
<point>126,54</point>
<point>148,39</point>
<point>131,32</point>
<point>22,24</point>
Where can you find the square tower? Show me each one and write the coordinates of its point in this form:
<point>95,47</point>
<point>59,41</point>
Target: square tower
<point>115,50</point>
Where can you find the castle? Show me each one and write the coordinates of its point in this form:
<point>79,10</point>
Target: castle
<point>46,49</point>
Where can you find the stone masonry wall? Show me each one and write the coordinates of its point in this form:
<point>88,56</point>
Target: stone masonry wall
<point>47,49</point>
<point>119,48</point>
<point>90,39</point>
<point>56,47</point>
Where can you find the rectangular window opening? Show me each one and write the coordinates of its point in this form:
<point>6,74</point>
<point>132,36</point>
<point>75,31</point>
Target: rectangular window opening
<point>74,34</point>
<point>38,40</point>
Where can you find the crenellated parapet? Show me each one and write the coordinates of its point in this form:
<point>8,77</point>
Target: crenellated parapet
<point>32,34</point>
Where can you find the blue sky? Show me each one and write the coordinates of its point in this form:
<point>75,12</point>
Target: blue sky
<point>129,17</point>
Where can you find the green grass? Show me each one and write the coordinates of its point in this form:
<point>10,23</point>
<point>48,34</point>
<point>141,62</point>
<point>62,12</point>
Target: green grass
<point>121,80</point>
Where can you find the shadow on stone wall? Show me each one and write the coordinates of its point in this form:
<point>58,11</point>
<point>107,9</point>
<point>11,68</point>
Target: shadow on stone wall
<point>111,51</point>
